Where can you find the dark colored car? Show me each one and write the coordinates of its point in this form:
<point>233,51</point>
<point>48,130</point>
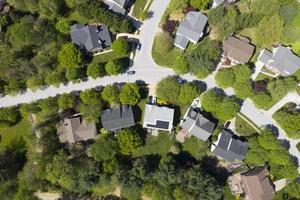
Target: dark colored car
<point>139,46</point>
<point>130,72</point>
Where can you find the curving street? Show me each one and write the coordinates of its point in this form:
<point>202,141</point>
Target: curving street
<point>148,71</point>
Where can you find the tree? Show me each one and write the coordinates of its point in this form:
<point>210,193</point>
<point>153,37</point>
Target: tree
<point>50,8</point>
<point>120,46</point>
<point>188,92</point>
<point>110,94</point>
<point>228,109</point>
<point>200,4</point>
<point>59,171</point>
<point>113,67</point>
<point>69,56</point>
<point>181,65</point>
<point>268,141</point>
<point>9,116</point>
<point>55,78</point>
<point>90,97</point>
<point>242,73</point>
<point>130,94</point>
<point>63,26</point>
<point>211,101</point>
<point>73,74</point>
<point>261,100</point>
<point>65,101</point>
<point>95,70</point>
<point>91,113</point>
<point>168,89</point>
<point>105,148</point>
<point>289,121</point>
<point>129,140</point>
<point>225,78</point>
<point>74,3</point>
<point>34,82</point>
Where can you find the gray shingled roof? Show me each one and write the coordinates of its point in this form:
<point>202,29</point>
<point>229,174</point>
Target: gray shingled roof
<point>282,59</point>
<point>114,119</point>
<point>197,125</point>
<point>190,28</point>
<point>230,148</point>
<point>116,5</point>
<point>90,37</point>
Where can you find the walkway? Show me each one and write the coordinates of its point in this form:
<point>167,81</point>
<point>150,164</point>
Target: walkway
<point>290,97</point>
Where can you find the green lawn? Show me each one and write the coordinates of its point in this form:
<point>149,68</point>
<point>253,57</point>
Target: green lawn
<point>160,145</point>
<point>14,133</point>
<point>103,58</point>
<point>243,127</point>
<point>197,148</point>
<point>138,8</point>
<point>298,146</point>
<point>167,59</point>
<point>262,77</point>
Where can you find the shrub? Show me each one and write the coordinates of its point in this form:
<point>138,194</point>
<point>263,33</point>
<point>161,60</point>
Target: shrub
<point>169,26</point>
<point>120,46</point>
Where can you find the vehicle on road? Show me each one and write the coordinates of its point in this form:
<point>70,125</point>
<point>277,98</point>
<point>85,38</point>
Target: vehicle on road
<point>139,46</point>
<point>130,72</point>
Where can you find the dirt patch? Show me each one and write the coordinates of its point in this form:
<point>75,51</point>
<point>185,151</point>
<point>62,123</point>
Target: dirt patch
<point>176,15</point>
<point>152,90</point>
<point>145,198</point>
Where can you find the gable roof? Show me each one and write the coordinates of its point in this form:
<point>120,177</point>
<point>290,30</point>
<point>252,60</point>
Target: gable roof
<point>191,28</point>
<point>90,37</point>
<point>282,58</point>
<point>229,147</point>
<point>157,117</point>
<point>74,130</point>
<point>238,49</point>
<point>197,125</point>
<point>113,119</point>
<point>257,184</point>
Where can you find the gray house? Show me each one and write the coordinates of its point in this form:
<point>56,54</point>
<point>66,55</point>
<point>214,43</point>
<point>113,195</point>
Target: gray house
<point>229,147</point>
<point>115,119</point>
<point>197,125</point>
<point>117,6</point>
<point>281,61</point>
<point>191,29</point>
<point>158,118</point>
<point>75,129</point>
<point>92,38</point>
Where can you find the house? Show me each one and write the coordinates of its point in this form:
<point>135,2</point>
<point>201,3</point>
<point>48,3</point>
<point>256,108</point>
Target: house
<point>281,61</point>
<point>91,38</point>
<point>115,119</point>
<point>191,29</point>
<point>257,185</point>
<point>75,129</point>
<point>117,6</point>
<point>229,147</point>
<point>237,50</point>
<point>197,125</point>
<point>158,118</point>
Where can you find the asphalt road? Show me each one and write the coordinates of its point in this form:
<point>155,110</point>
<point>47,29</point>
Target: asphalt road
<point>149,72</point>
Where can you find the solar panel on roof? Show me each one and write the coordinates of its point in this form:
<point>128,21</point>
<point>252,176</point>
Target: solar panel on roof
<point>160,124</point>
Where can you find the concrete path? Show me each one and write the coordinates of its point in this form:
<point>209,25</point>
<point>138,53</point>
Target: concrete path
<point>258,67</point>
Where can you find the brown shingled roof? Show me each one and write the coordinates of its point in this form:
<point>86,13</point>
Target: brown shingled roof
<point>238,49</point>
<point>257,185</point>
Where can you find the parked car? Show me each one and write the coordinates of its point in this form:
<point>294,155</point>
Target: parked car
<point>227,124</point>
<point>130,72</point>
<point>138,46</point>
<point>152,100</point>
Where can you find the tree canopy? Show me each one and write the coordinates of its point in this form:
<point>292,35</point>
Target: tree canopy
<point>69,56</point>
<point>120,46</point>
<point>110,94</point>
<point>129,140</point>
<point>168,89</point>
<point>130,94</point>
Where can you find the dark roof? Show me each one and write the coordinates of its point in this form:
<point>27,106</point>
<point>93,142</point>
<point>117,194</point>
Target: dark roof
<point>90,37</point>
<point>113,119</point>
<point>230,147</point>
<point>257,184</point>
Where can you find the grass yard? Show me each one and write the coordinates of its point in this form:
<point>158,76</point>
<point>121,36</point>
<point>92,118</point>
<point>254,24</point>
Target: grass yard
<point>197,148</point>
<point>243,127</point>
<point>160,145</point>
<point>298,146</point>
<point>138,8</point>
<point>14,133</point>
<point>167,59</point>
<point>262,77</point>
<point>103,58</point>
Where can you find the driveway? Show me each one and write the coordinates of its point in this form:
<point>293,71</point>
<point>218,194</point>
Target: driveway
<point>258,67</point>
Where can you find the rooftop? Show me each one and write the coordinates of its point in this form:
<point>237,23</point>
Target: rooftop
<point>230,147</point>
<point>74,129</point>
<point>157,117</point>
<point>237,49</point>
<point>113,119</point>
